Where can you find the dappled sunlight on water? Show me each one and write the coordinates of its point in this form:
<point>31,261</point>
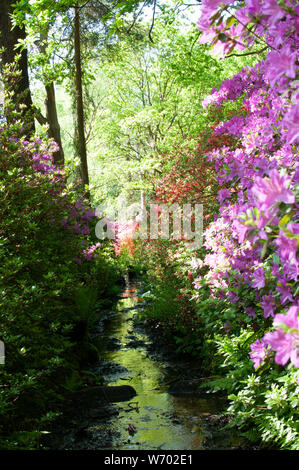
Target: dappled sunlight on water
<point>160,420</point>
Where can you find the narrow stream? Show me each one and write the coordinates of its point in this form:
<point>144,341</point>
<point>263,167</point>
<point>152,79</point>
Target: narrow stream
<point>153,419</point>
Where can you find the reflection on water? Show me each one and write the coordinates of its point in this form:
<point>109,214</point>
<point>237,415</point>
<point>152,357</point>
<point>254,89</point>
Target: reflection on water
<point>160,421</point>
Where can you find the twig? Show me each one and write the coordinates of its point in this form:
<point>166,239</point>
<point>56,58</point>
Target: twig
<point>194,42</point>
<point>248,53</point>
<point>153,22</point>
<point>136,17</point>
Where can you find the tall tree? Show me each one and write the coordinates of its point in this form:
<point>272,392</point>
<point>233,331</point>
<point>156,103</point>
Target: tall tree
<point>10,36</point>
<point>52,118</point>
<point>79,96</point>
<point>50,103</point>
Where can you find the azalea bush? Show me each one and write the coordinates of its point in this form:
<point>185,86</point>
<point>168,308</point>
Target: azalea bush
<point>244,281</point>
<point>168,283</point>
<point>168,264</point>
<point>259,238</point>
<point>253,243</point>
<point>49,257</point>
<point>263,404</point>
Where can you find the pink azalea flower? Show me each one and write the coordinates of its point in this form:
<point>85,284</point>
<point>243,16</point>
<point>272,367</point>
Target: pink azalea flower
<point>242,16</point>
<point>290,319</point>
<point>240,230</point>
<point>223,194</point>
<point>258,352</point>
<point>283,345</point>
<point>208,9</point>
<point>253,7</point>
<point>279,64</point>
<point>207,35</point>
<point>291,271</point>
<point>290,123</point>
<point>286,345</point>
<point>271,8</point>
<point>272,190</point>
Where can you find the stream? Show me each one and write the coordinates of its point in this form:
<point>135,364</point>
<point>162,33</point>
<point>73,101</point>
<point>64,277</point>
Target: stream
<point>166,412</point>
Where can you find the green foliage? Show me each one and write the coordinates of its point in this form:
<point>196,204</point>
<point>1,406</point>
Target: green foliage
<point>140,104</point>
<point>44,292</point>
<point>170,306</point>
<point>85,299</point>
<point>263,403</point>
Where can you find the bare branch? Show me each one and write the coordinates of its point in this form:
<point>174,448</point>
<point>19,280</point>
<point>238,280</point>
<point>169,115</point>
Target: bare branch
<point>136,17</point>
<point>40,118</point>
<point>247,53</point>
<point>153,22</point>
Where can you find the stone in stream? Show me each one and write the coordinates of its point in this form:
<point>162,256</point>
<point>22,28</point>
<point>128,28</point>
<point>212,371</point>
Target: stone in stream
<point>135,343</point>
<point>106,394</point>
<point>112,371</point>
<point>113,344</point>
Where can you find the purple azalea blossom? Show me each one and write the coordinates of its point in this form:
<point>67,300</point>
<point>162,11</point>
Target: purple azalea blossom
<point>279,63</point>
<point>267,305</point>
<point>290,319</point>
<point>251,312</point>
<point>285,293</point>
<point>232,297</point>
<point>271,8</point>
<point>269,191</point>
<point>258,352</point>
<point>290,123</point>
<point>259,279</point>
<point>223,194</point>
<point>267,127</point>
<point>286,344</point>
<point>283,345</point>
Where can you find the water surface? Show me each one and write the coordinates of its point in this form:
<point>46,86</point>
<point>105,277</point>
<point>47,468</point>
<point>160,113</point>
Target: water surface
<point>154,419</point>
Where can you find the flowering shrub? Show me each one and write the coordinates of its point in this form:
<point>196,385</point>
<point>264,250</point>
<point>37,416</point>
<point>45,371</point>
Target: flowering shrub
<point>169,282</point>
<point>252,256</point>
<point>261,240</point>
<point>167,262</point>
<point>243,286</point>
<point>124,238</point>
<point>42,226</point>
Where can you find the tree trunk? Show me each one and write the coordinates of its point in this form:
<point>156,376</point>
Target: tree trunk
<point>79,97</point>
<point>52,118</point>
<point>9,38</point>
<point>51,109</point>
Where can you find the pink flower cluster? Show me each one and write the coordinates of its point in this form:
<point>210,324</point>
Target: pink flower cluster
<point>284,340</point>
<point>253,243</point>
<point>78,215</point>
<point>265,25</point>
<point>89,253</point>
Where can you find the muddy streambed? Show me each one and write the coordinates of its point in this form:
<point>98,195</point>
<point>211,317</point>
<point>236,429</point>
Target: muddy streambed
<point>169,410</point>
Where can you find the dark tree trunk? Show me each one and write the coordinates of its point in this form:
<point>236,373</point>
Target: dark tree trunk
<point>52,118</point>
<point>51,109</point>
<point>79,99</point>
<point>9,38</point>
